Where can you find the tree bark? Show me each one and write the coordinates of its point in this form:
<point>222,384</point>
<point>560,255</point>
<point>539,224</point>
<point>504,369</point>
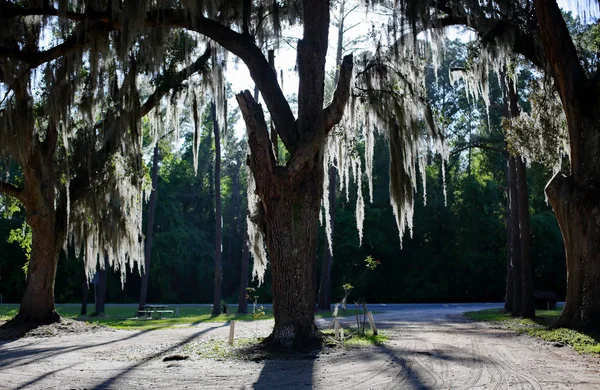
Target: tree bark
<point>577,209</point>
<point>216,309</point>
<point>289,210</point>
<point>101,288</point>
<point>515,248</point>
<point>149,230</point>
<point>37,305</point>
<point>575,198</point>
<point>291,234</point>
<point>508,297</point>
<point>244,275</point>
<point>527,301</point>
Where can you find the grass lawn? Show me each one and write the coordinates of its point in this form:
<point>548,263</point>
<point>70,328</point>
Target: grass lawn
<point>123,316</point>
<point>540,327</point>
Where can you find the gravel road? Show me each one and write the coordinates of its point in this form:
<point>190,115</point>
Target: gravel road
<point>429,347</point>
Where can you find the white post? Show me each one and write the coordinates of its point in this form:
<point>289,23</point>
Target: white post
<point>336,329</point>
<point>231,331</point>
<point>372,323</point>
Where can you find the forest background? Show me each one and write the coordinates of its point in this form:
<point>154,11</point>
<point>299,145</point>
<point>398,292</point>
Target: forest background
<point>457,252</point>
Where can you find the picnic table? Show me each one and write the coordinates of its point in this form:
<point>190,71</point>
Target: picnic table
<point>160,310</point>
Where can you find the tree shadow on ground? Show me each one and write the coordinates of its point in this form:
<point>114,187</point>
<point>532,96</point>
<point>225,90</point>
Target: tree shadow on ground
<point>287,369</point>
<point>110,382</point>
<point>10,357</point>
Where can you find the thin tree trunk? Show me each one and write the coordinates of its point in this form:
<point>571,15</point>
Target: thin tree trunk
<point>527,302</point>
<point>508,297</point>
<point>101,288</point>
<point>244,275</point>
<point>216,310</point>
<point>234,212</point>
<point>149,230</point>
<point>515,249</point>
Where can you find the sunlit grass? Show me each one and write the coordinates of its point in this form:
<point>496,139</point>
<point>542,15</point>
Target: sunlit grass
<point>123,316</point>
<point>354,338</point>
<point>539,327</point>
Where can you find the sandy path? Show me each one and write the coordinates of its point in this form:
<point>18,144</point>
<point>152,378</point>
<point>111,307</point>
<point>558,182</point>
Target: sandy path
<point>427,350</point>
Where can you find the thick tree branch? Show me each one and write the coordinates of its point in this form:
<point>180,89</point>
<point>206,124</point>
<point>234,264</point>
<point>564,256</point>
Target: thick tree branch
<point>76,40</point>
<point>312,50</point>
<point>261,156</point>
<point>11,190</point>
<point>569,76</point>
<point>242,46</point>
<point>335,111</point>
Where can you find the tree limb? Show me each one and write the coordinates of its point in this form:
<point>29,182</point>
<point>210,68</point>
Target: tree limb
<point>81,37</point>
<point>174,81</point>
<point>261,156</point>
<point>242,46</point>
<point>11,190</point>
<point>335,111</point>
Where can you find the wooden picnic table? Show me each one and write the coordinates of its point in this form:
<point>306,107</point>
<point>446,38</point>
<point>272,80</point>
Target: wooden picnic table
<point>158,309</point>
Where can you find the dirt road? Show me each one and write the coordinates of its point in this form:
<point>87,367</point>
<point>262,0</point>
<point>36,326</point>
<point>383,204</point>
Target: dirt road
<point>429,348</point>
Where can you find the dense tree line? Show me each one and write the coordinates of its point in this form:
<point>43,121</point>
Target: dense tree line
<point>457,252</point>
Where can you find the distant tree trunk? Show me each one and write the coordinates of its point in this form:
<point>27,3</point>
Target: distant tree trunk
<point>149,230</point>
<point>234,213</point>
<point>216,310</point>
<point>527,308</point>
<point>101,288</point>
<point>515,248</point>
<point>244,275</point>
<point>527,304</point>
<point>508,297</point>
<point>85,289</point>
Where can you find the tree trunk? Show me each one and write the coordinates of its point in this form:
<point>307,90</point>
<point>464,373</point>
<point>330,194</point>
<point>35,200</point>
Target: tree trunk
<point>515,248</point>
<point>527,302</point>
<point>216,310</point>
<point>577,209</point>
<point>291,234</point>
<point>508,297</point>
<point>37,305</point>
<point>575,198</point>
<point>149,230</point>
<point>101,289</point>
<point>244,274</point>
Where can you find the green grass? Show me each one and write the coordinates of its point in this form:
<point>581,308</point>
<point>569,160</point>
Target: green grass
<point>123,316</point>
<point>353,338</point>
<point>539,327</point>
